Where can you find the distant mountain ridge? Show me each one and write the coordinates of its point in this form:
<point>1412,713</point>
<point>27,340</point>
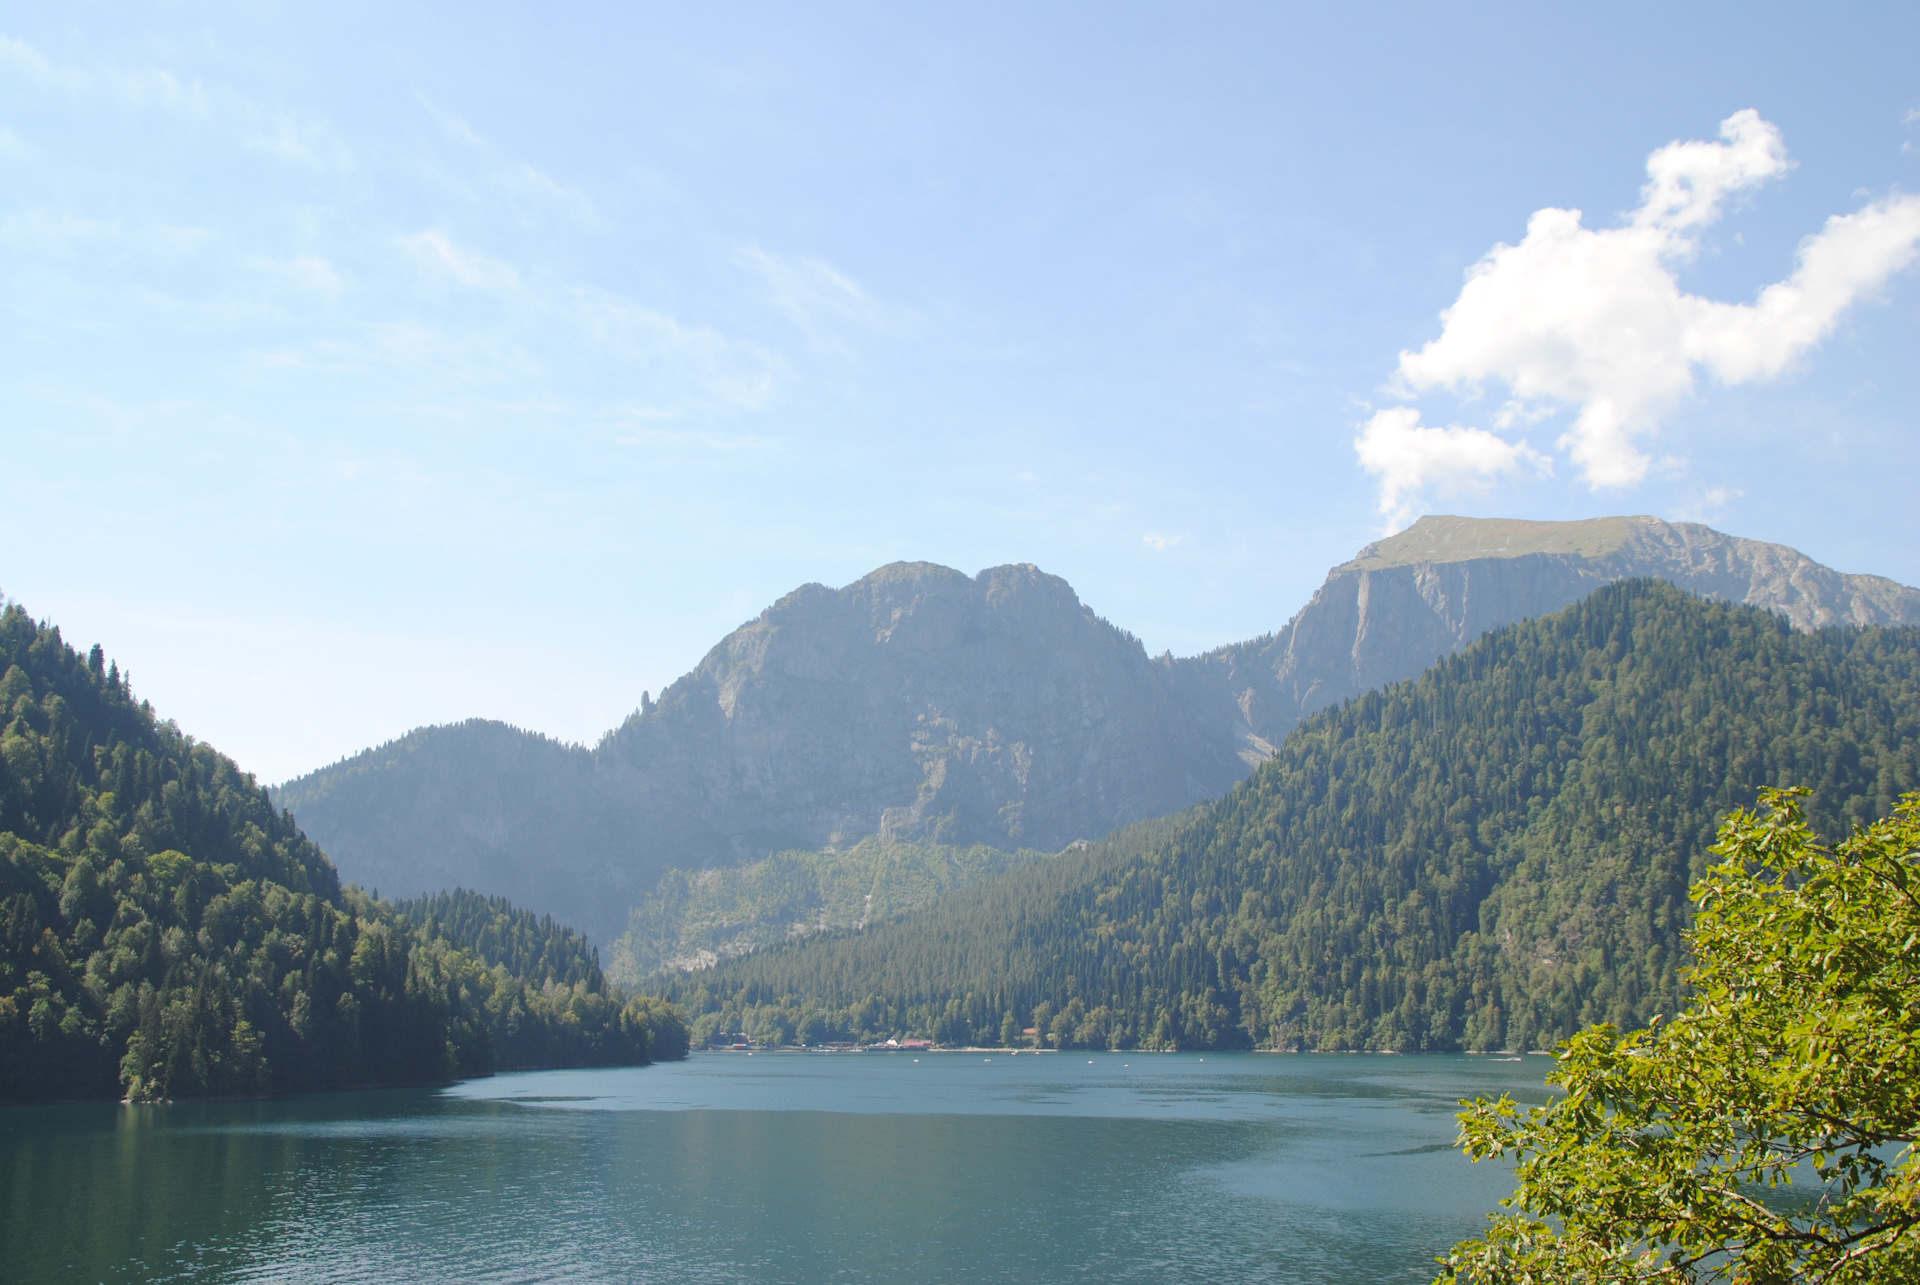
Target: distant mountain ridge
<point>919,704</point>
<point>1406,601</point>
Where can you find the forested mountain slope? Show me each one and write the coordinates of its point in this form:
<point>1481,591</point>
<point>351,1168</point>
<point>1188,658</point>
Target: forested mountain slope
<point>485,806</point>
<point>694,918</point>
<point>166,932</point>
<point>496,932</point>
<point>1489,856</point>
<point>923,705</point>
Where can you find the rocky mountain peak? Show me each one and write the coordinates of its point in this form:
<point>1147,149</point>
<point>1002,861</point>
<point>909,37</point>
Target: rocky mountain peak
<point>1406,601</point>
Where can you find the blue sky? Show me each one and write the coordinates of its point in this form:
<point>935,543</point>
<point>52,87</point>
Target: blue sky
<point>365,366</point>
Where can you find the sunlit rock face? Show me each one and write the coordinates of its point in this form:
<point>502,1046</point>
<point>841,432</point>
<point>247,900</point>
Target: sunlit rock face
<point>919,703</point>
<point>1406,601</point>
<point>922,703</point>
<point>916,703</point>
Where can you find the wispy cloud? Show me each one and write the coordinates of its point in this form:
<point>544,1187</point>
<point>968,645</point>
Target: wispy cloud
<point>54,234</point>
<point>288,135</point>
<point>1596,320</point>
<point>813,294</point>
<point>1707,504</point>
<point>309,273</point>
<point>520,181</point>
<point>699,439</point>
<point>438,254</point>
<point>740,375</point>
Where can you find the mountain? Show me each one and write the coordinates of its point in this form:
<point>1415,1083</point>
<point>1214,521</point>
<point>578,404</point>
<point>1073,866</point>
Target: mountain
<point>922,705</point>
<point>479,805</point>
<point>916,704</point>
<point>166,932</point>
<point>1491,855</point>
<point>1408,600</point>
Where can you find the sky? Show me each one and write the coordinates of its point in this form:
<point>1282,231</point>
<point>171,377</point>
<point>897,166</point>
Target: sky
<point>370,366</point>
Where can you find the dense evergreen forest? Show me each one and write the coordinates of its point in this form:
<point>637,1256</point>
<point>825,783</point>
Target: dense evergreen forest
<point>165,932</point>
<point>493,929</point>
<point>1490,856</point>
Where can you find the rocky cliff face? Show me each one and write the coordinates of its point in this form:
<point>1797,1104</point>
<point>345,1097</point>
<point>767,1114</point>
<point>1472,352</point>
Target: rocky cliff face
<point>1409,600</point>
<point>921,704</point>
<point>917,704</point>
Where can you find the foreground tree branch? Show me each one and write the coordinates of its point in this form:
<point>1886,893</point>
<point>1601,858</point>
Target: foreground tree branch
<point>1767,1133</point>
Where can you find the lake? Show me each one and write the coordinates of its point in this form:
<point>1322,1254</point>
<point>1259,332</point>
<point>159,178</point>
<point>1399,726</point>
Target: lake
<point>778,1167</point>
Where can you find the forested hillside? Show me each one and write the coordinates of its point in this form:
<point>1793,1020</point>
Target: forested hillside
<point>1492,855</point>
<point>495,931</point>
<point>697,917</point>
<point>166,932</point>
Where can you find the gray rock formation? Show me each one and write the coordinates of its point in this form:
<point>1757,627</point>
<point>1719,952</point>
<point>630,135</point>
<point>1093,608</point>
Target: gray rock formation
<point>1406,601</point>
<point>922,704</point>
<point>918,704</point>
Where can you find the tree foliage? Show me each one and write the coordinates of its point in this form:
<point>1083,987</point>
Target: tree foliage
<point>165,932</point>
<point>1494,855</point>
<point>494,930</point>
<point>1768,1132</point>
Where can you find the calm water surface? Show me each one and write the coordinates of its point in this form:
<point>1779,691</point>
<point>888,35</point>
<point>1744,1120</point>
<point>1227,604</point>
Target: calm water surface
<point>795,1167</point>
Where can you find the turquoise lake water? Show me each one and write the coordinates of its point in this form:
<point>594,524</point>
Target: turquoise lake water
<point>778,1167</point>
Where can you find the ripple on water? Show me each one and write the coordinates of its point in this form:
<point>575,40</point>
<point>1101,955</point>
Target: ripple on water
<point>843,1169</point>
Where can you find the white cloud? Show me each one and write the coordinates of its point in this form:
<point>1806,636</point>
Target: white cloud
<point>1688,183</point>
<point>1160,543</point>
<point>1409,456</point>
<point>1595,319</point>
